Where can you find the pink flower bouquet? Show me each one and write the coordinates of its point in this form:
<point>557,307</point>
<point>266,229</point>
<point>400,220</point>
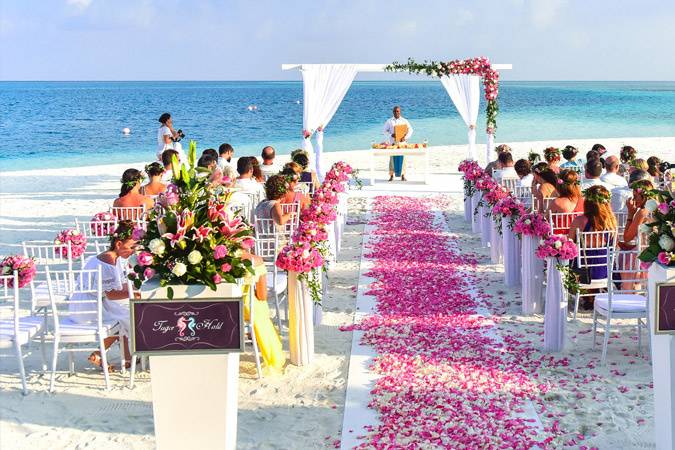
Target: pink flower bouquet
<point>78,243</point>
<point>103,224</point>
<point>557,246</point>
<point>24,265</point>
<point>532,224</point>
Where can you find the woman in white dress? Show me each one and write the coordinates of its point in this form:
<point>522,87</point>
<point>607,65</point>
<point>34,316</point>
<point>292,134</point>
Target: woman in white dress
<point>116,298</point>
<point>167,137</point>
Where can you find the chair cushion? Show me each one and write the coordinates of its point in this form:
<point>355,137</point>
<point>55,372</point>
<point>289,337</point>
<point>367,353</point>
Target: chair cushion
<point>69,327</point>
<point>622,303</point>
<point>281,282</point>
<point>28,327</point>
<point>595,284</point>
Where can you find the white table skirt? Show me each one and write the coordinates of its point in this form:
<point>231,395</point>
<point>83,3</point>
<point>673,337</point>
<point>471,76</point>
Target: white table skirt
<point>475,219</point>
<point>300,322</point>
<point>532,276</point>
<point>555,317</point>
<point>512,259</point>
<point>485,227</point>
<point>495,243</point>
<point>467,209</point>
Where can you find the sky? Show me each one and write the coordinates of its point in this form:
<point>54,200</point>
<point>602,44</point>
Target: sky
<point>250,39</point>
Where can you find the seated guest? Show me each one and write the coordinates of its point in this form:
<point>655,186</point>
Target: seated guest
<point>257,171</point>
<point>569,195</point>
<point>167,157</point>
<point>268,168</point>
<point>300,157</point>
<point>571,161</point>
<point>654,170</point>
<point>292,167</point>
<point>130,193</point>
<point>207,162</point>
<point>116,299</point>
<point>599,148</point>
<point>276,187</point>
<point>627,155</point>
<point>211,152</point>
<point>552,157</point>
<point>637,215</point>
<point>524,170</point>
<point>294,195</point>
<point>492,165</point>
<point>593,172</point>
<point>155,186</point>
<point>543,186</point>
<point>225,153</point>
<point>641,164</point>
<point>245,181</point>
<point>506,169</point>
<point>611,178</point>
<point>620,195</point>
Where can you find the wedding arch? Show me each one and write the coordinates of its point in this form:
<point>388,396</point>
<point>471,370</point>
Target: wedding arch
<point>325,85</point>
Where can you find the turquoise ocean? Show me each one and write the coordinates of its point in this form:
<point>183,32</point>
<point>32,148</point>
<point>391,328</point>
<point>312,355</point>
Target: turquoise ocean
<point>69,124</point>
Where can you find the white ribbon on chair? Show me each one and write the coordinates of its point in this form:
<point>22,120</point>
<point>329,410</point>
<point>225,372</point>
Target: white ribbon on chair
<point>512,257</point>
<point>475,219</point>
<point>555,317</point>
<point>464,91</point>
<point>532,277</point>
<point>495,242</point>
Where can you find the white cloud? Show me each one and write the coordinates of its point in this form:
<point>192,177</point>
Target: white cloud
<point>79,5</point>
<point>544,12</point>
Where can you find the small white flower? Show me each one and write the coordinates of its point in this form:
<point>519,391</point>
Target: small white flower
<point>179,269</point>
<point>238,253</point>
<point>75,233</point>
<point>644,229</point>
<point>542,241</point>
<point>557,244</point>
<point>157,246</point>
<point>666,242</point>
<point>194,257</point>
<point>651,205</point>
<point>305,254</point>
<point>312,233</point>
<point>57,242</point>
<point>528,222</point>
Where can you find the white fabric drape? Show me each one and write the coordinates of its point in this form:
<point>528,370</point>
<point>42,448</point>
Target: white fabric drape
<point>486,224</point>
<point>476,226</point>
<point>555,315</point>
<point>467,209</point>
<point>324,87</point>
<point>300,321</point>
<point>464,90</point>
<point>496,246</point>
<point>532,276</point>
<point>511,255</point>
<point>489,147</point>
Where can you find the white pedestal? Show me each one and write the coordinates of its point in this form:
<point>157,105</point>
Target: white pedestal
<point>532,276</point>
<point>467,209</point>
<point>555,316</point>
<point>485,223</point>
<point>663,365</point>
<point>475,219</point>
<point>194,401</point>
<point>415,153</point>
<point>512,259</point>
<point>300,322</point>
<point>495,242</point>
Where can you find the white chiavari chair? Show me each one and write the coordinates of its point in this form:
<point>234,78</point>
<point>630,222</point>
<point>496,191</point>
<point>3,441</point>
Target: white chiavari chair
<point>546,203</point>
<point>510,183</point>
<point>595,247</point>
<point>96,232</point>
<point>524,195</point>
<point>621,218</point>
<point>268,242</point>
<point>294,210</point>
<point>46,253</point>
<point>560,222</point>
<point>79,319</point>
<point>133,213</point>
<point>16,330</point>
<point>626,296</point>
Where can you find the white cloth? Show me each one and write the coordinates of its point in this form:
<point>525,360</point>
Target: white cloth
<point>589,182</point>
<point>485,225</point>
<point>467,209</point>
<point>532,276</point>
<point>222,163</point>
<point>251,186</point>
<point>620,196</point>
<point>269,170</point>
<point>496,246</point>
<point>475,216</point>
<point>324,87</point>
<point>464,90</point>
<point>555,314</point>
<point>527,180</point>
<point>613,179</point>
<point>505,173</point>
<point>389,125</point>
<point>512,258</point>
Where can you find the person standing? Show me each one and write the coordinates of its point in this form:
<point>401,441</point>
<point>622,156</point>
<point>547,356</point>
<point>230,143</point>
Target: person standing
<point>168,138</point>
<point>396,163</point>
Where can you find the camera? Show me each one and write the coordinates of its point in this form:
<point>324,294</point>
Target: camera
<point>665,166</point>
<point>180,136</point>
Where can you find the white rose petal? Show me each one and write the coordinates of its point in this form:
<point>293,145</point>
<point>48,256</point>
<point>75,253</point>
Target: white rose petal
<point>666,242</point>
<point>157,246</point>
<point>651,205</point>
<point>557,244</point>
<point>179,269</point>
<point>194,257</point>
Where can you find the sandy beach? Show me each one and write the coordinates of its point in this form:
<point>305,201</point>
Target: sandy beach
<point>607,407</point>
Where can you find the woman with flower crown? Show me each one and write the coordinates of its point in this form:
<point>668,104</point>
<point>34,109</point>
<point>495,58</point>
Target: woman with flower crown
<point>276,187</point>
<point>637,216</point>
<point>569,195</point>
<point>543,186</point>
<point>130,192</point>
<point>552,157</point>
<point>155,186</point>
<point>116,295</point>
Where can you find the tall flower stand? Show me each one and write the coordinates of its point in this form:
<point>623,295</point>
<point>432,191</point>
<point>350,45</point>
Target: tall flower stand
<point>495,242</point>
<point>512,256</point>
<point>194,388</point>
<point>485,223</point>
<point>300,321</point>
<point>663,364</point>
<point>468,212</point>
<point>532,276</point>
<point>555,317</point>
<point>475,219</point>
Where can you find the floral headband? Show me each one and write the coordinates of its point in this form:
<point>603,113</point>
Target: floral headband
<point>597,196</point>
<point>644,187</point>
<point>552,153</point>
<point>121,235</point>
<point>131,183</point>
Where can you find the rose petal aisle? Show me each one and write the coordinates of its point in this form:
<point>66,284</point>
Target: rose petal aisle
<point>446,380</point>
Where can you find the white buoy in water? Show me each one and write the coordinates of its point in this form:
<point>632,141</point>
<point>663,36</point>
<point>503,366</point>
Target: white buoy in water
<point>126,131</point>
<point>252,107</point>
<point>297,102</point>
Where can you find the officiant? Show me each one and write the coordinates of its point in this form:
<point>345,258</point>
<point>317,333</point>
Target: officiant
<point>397,129</point>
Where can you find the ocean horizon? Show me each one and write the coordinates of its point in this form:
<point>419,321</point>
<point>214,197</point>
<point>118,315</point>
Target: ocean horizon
<point>79,123</point>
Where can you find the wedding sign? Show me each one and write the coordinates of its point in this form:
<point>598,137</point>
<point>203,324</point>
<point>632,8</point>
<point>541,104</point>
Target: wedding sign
<point>665,308</point>
<point>189,326</point>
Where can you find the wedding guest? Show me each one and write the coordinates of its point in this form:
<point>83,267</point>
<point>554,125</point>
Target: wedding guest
<point>569,195</point>
<point>611,178</point>
<point>552,157</point>
<point>493,165</point>
<point>506,169</point>
<point>167,137</point>
<point>524,170</point>
<point>654,170</point>
<point>155,186</point>
<point>245,180</point>
<point>225,154</point>
<point>276,187</point>
<point>292,167</point>
<point>116,295</point>
<point>211,152</point>
<point>268,167</point>
<point>130,195</point>
<point>620,195</point>
<point>543,186</point>
<point>627,154</point>
<point>294,194</point>
<point>593,172</point>
<point>257,171</point>
<point>571,161</point>
<point>207,162</point>
<point>641,164</point>
<point>599,148</point>
<point>167,157</point>
<point>300,157</point>
<point>637,215</point>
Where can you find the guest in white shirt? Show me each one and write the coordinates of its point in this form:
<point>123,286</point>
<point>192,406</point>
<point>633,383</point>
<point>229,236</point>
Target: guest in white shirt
<point>268,168</point>
<point>245,181</point>
<point>390,138</point>
<point>167,137</point>
<point>167,157</point>
<point>620,195</point>
<point>593,173</point>
<point>612,177</point>
<point>523,169</point>
<point>506,169</point>
<point>225,153</point>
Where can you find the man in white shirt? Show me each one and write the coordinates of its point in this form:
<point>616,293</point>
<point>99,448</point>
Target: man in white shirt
<point>396,163</point>
<point>593,173</point>
<point>620,195</point>
<point>523,168</point>
<point>225,154</point>
<point>506,169</point>
<point>245,181</point>
<point>268,168</point>
<point>612,176</point>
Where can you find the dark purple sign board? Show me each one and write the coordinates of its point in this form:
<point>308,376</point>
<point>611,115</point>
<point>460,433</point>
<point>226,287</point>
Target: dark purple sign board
<point>665,309</point>
<point>199,326</point>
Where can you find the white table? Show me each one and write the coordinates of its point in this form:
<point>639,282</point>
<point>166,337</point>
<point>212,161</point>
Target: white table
<point>414,152</point>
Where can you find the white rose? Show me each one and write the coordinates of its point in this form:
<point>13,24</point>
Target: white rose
<point>75,233</point>
<point>528,222</point>
<point>157,246</point>
<point>57,242</point>
<point>557,244</point>
<point>305,254</point>
<point>238,253</point>
<point>179,269</point>
<point>542,241</point>
<point>644,229</point>
<point>312,233</point>
<point>666,243</point>
<point>651,205</point>
<point>194,257</point>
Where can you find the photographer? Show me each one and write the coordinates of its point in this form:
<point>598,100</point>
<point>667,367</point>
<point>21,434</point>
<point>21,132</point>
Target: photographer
<point>168,138</point>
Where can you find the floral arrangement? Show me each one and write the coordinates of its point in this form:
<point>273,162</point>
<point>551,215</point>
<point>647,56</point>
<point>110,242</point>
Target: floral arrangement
<point>103,224</point>
<point>552,154</point>
<point>660,233</point>
<point>472,171</point>
<point>532,224</point>
<point>533,157</point>
<point>561,248</point>
<point>387,146</point>
<point>494,195</point>
<point>473,66</point>
<point>77,240</point>
<point>508,207</point>
<point>24,265</point>
<point>192,236</point>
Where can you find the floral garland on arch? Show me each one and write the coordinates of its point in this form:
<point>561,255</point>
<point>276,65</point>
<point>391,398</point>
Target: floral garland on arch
<point>472,66</point>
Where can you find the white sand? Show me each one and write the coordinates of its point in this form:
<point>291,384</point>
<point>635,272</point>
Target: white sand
<point>303,406</point>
